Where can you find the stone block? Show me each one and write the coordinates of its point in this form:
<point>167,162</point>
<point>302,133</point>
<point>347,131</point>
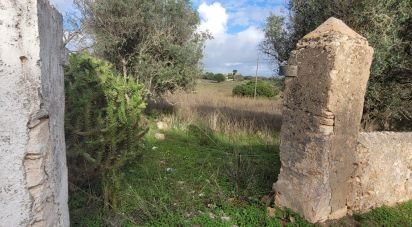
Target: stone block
<point>322,111</point>
<point>384,170</point>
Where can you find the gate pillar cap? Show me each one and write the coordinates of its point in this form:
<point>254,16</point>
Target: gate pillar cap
<point>333,25</point>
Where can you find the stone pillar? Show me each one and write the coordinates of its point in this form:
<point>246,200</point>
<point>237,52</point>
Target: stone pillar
<point>384,170</point>
<point>325,86</point>
<point>33,173</point>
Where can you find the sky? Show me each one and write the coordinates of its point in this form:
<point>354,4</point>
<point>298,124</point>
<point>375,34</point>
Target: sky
<point>236,27</point>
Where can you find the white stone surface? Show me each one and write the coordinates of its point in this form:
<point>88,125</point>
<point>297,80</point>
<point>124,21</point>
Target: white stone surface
<point>33,175</point>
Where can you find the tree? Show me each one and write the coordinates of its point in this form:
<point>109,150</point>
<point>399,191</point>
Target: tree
<point>277,43</point>
<point>75,39</point>
<point>386,24</point>
<point>154,41</point>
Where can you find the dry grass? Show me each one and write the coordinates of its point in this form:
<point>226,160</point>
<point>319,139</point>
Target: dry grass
<point>224,88</point>
<point>214,107</point>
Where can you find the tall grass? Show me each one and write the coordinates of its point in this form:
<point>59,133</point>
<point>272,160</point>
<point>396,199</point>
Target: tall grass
<point>221,113</point>
<point>206,170</point>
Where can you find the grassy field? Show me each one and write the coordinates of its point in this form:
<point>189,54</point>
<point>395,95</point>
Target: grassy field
<point>215,167</point>
<point>213,106</point>
<point>224,88</point>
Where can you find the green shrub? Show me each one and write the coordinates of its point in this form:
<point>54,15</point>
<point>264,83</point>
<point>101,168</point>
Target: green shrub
<point>263,89</point>
<point>103,122</point>
<point>208,76</point>
<point>218,77</point>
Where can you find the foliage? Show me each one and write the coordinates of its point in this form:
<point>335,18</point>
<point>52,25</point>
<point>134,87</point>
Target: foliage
<point>279,82</point>
<point>218,77</point>
<point>263,89</point>
<point>201,189</point>
<point>155,42</point>
<point>188,175</point>
<point>103,122</point>
<point>386,24</point>
<point>277,43</point>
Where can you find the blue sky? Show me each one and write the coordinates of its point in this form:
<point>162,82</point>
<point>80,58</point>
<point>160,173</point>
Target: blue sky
<point>236,26</point>
<point>245,13</point>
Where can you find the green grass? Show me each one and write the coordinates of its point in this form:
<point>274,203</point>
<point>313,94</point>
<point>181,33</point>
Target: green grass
<point>196,177</point>
<point>224,88</point>
<point>195,174</point>
<point>386,216</point>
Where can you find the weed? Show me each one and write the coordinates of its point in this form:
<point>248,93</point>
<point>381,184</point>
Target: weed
<point>205,176</point>
<point>219,111</point>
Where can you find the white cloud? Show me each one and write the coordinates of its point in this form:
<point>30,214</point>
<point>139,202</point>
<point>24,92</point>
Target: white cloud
<point>230,51</point>
<point>232,64</point>
<point>214,18</point>
<point>251,14</point>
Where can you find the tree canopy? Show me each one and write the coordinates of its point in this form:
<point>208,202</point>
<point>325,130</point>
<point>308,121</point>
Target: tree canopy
<point>154,41</point>
<point>386,24</point>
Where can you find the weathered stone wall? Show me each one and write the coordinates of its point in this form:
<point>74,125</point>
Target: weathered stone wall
<point>33,176</point>
<point>384,170</point>
<point>330,169</point>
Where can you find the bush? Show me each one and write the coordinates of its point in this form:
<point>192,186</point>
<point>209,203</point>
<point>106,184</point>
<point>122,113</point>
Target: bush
<point>218,77</point>
<point>208,76</point>
<point>263,89</point>
<point>103,122</point>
